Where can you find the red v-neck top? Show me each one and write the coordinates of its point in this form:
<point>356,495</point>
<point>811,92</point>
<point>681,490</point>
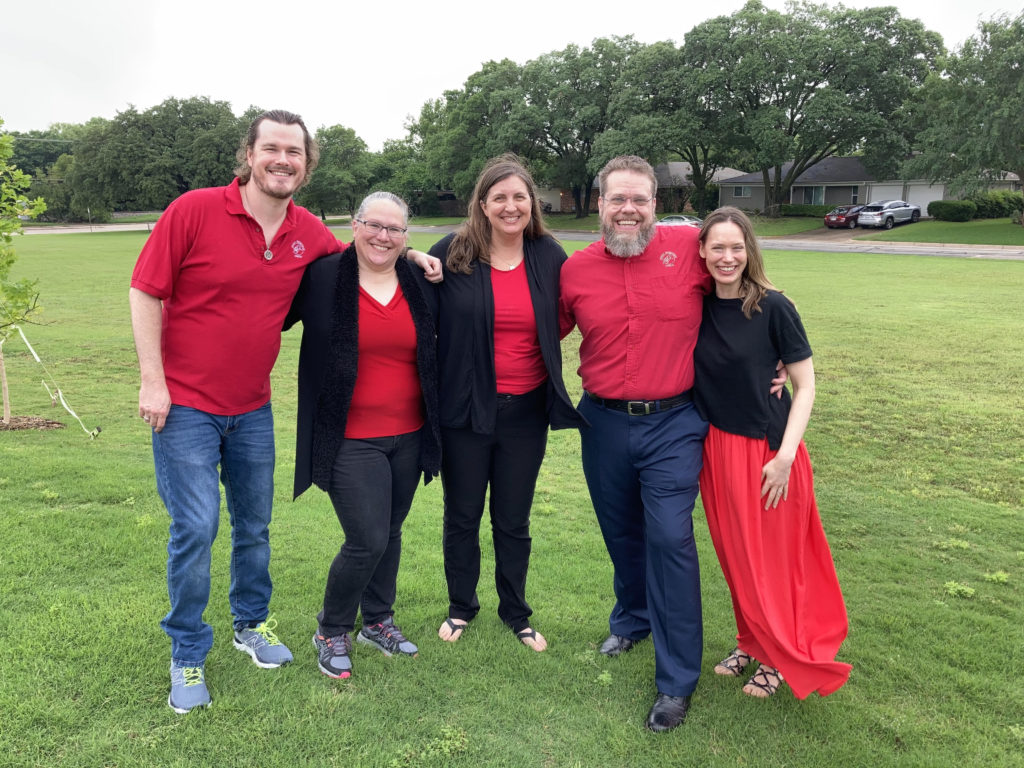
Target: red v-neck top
<point>387,399</point>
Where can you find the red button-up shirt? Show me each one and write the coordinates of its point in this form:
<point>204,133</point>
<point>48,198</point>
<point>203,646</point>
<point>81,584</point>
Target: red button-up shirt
<point>639,316</point>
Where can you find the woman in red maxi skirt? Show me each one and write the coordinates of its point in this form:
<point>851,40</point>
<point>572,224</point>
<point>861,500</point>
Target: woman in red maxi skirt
<point>757,484</point>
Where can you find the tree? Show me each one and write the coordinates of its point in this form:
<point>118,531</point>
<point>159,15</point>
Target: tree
<point>52,185</point>
<point>800,86</point>
<point>144,160</point>
<point>663,110</point>
<point>36,151</point>
<point>549,111</point>
<point>342,178</point>
<point>90,176</point>
<point>399,167</point>
<point>972,110</point>
<point>459,132</point>
<point>568,94</point>
<point>18,300</point>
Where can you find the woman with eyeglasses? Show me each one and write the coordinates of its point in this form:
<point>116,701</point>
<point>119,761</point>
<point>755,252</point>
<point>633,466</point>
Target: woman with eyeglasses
<point>367,419</point>
<point>500,369</point>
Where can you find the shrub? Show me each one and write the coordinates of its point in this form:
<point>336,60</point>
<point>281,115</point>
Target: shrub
<point>805,210</point>
<point>952,210</point>
<point>997,204</point>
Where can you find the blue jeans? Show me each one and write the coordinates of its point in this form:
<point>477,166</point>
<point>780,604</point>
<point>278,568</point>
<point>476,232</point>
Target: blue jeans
<point>187,453</point>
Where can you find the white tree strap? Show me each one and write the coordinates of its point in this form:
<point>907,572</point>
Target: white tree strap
<point>34,355</point>
<point>60,395</point>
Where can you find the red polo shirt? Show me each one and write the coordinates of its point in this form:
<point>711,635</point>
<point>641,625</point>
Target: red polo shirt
<point>639,316</point>
<point>225,294</point>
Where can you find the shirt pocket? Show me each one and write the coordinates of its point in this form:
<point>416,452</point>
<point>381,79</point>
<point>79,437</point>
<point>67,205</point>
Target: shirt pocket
<point>673,301</point>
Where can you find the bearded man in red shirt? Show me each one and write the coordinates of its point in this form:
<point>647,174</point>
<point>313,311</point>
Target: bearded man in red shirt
<point>636,296</point>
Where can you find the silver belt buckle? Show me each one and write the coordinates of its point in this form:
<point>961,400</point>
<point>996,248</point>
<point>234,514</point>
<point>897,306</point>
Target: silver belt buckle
<point>643,408</point>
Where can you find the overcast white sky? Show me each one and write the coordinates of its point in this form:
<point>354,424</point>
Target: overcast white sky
<point>365,65</point>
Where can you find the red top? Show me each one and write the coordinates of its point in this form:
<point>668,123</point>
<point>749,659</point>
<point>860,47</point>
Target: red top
<point>225,294</point>
<point>639,316</point>
<point>518,364</point>
<point>387,399</point>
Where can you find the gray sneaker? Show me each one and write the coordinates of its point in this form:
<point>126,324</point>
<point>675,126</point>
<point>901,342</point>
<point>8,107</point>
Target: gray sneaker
<point>262,644</point>
<point>188,689</point>
<point>333,655</point>
<point>387,637</point>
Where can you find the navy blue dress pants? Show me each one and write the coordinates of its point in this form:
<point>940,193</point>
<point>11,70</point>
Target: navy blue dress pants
<point>642,472</point>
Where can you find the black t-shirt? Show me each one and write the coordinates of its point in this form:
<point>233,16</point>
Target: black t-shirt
<point>735,360</point>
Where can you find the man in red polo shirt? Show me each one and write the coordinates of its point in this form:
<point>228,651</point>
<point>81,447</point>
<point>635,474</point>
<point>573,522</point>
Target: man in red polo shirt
<point>636,296</point>
<point>208,297</point>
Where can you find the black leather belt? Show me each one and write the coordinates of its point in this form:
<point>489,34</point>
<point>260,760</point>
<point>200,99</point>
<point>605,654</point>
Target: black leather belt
<point>644,407</point>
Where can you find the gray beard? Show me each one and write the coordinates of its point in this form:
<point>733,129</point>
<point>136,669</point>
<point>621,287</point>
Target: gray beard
<point>626,246</point>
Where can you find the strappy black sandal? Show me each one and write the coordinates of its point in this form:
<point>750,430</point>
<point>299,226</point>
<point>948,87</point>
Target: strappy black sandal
<point>530,634</point>
<point>733,664</point>
<point>766,680</point>
<point>453,628</point>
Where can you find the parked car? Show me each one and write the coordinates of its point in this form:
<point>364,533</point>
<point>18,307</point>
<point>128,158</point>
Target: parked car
<point>843,216</point>
<point>886,213</point>
<point>680,220</point>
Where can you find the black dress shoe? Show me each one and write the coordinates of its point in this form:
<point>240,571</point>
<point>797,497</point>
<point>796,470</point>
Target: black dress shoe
<point>616,644</point>
<point>667,712</point>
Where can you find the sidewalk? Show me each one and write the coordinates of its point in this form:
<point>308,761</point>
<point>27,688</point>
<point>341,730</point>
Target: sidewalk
<point>826,240</point>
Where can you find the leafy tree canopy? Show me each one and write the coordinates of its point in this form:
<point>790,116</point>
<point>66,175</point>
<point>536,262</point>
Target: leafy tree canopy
<point>812,82</point>
<point>342,178</point>
<point>972,111</point>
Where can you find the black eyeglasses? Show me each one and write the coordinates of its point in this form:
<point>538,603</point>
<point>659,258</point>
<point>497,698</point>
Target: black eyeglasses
<point>375,228</point>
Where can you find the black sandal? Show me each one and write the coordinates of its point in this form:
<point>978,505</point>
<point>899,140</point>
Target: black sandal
<point>453,628</point>
<point>528,633</point>
<point>762,681</point>
<point>734,663</point>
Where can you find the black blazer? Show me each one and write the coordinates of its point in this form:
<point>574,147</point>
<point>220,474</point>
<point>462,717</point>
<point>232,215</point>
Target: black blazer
<point>327,303</point>
<point>463,307</point>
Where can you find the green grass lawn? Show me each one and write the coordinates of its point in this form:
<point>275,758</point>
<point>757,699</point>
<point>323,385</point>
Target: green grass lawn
<point>916,440</point>
<point>978,232</point>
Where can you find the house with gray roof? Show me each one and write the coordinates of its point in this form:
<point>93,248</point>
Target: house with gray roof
<point>840,181</point>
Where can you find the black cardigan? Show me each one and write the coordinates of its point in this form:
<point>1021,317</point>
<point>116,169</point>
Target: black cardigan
<point>463,307</point>
<point>327,303</point>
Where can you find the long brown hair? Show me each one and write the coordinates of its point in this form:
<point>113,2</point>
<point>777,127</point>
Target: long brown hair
<point>754,283</point>
<point>472,241</point>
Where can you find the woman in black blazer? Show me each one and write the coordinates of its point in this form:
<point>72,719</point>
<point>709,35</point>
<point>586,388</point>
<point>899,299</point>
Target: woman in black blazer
<point>500,369</point>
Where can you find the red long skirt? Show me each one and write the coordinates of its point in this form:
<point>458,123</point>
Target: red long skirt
<point>789,609</point>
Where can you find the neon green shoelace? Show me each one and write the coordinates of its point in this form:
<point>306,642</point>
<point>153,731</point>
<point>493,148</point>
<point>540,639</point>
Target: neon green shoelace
<point>192,675</point>
<point>266,631</point>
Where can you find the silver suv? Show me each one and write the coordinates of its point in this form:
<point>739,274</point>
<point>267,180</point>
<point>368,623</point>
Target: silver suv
<point>886,213</point>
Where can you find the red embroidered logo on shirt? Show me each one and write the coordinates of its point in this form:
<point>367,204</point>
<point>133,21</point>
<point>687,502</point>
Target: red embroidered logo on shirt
<point>668,258</point>
<point>298,249</point>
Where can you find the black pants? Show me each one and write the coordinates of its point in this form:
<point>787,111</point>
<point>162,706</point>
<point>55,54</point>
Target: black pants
<point>372,486</point>
<point>509,460</point>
